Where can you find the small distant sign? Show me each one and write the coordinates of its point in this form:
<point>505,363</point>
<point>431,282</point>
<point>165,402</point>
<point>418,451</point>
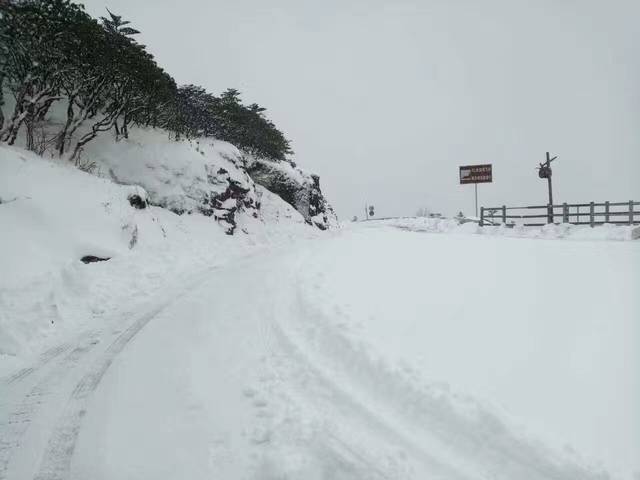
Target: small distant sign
<point>476,174</point>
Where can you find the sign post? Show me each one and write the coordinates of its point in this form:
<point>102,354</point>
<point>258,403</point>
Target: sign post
<point>476,174</point>
<point>475,185</point>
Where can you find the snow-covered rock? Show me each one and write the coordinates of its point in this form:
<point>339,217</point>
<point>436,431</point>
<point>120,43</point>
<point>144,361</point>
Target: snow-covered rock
<point>205,175</point>
<point>186,176</point>
<point>296,187</point>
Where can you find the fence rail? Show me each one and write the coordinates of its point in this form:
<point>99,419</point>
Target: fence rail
<point>619,213</point>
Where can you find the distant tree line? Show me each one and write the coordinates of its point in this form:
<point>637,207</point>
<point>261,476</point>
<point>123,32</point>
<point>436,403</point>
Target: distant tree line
<point>53,53</point>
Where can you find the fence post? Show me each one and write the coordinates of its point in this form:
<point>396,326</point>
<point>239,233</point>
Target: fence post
<point>630,212</point>
<point>482,216</point>
<point>591,210</point>
<point>565,213</point>
<point>504,214</point>
<point>606,211</point>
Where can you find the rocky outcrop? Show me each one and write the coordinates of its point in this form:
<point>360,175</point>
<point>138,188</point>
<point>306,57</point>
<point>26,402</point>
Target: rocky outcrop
<point>186,176</point>
<point>295,187</point>
<point>205,175</point>
<point>137,201</point>
<point>223,205</point>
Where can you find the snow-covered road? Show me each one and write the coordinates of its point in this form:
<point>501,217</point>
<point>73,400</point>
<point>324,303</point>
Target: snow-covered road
<point>373,353</point>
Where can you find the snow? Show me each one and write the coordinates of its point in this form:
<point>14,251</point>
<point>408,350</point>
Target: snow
<point>552,231</point>
<point>177,174</point>
<point>545,329</point>
<point>53,214</point>
<point>374,367</point>
<point>285,168</point>
<point>406,348</point>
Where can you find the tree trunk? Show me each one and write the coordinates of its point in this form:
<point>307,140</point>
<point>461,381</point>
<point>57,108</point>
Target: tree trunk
<point>30,144</point>
<point>1,101</point>
<point>9,132</point>
<point>62,136</point>
<point>13,132</point>
<point>105,124</point>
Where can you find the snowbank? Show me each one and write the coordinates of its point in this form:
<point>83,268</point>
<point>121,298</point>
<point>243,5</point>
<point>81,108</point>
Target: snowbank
<point>560,231</point>
<point>52,215</point>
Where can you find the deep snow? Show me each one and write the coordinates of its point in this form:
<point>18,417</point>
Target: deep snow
<point>399,349</point>
<point>178,175</point>
<point>52,214</point>
<point>372,367</point>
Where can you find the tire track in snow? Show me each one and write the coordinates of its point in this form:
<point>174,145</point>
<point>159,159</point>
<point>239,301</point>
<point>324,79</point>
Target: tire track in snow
<point>56,461</point>
<point>61,445</point>
<point>311,373</point>
<point>43,361</point>
<point>483,440</point>
<point>24,412</point>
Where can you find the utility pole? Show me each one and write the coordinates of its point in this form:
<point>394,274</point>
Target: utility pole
<point>544,171</point>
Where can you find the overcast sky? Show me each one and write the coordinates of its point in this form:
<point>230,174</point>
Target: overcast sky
<point>385,99</point>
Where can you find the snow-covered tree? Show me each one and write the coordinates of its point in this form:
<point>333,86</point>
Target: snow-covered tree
<point>52,51</point>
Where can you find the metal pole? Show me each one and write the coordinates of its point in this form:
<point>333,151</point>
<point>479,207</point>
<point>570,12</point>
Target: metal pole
<point>366,211</point>
<point>476,185</point>
<point>550,209</point>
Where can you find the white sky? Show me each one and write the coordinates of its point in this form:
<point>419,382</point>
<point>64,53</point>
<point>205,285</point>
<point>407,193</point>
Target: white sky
<point>385,99</point>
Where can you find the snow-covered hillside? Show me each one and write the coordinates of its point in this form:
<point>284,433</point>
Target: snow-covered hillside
<point>205,175</point>
<point>52,215</point>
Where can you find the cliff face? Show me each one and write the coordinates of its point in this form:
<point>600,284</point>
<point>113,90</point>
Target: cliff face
<point>299,189</point>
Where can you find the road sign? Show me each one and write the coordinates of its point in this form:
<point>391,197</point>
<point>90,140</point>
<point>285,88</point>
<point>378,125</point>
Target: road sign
<point>476,174</point>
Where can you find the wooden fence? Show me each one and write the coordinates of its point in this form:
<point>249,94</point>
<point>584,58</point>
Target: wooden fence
<point>619,213</point>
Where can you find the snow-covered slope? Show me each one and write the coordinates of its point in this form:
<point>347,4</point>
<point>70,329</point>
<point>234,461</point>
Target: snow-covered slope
<point>52,215</point>
<point>203,175</point>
